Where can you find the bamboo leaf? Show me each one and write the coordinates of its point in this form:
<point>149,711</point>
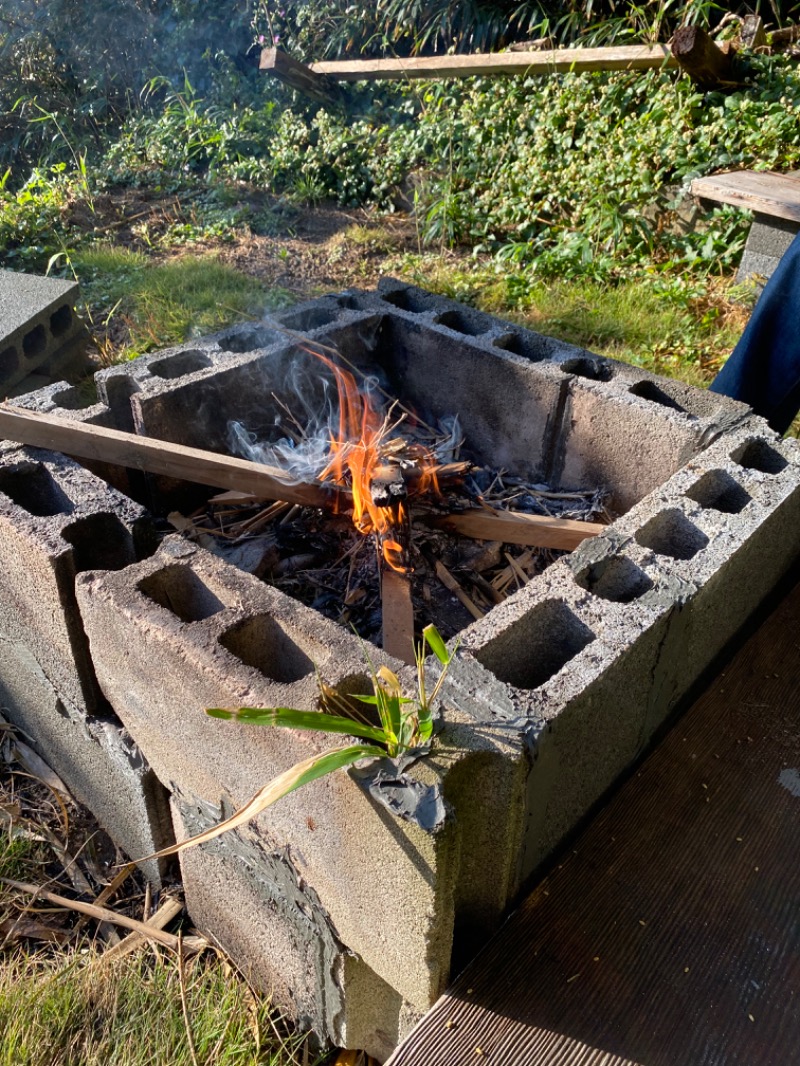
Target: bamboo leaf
<point>289,718</point>
<point>373,701</point>
<point>433,637</point>
<point>390,679</point>
<point>304,772</point>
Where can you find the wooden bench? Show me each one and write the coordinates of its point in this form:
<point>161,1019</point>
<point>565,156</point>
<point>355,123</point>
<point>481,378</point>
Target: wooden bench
<point>775,201</point>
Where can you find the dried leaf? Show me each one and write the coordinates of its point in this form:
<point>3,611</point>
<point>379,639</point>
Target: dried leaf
<point>308,770</point>
<point>38,768</point>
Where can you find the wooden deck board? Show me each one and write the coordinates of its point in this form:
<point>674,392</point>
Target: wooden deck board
<point>764,192</point>
<point>670,935</point>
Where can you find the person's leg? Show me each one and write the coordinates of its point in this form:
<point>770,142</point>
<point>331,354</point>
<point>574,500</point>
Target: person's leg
<point>764,368</point>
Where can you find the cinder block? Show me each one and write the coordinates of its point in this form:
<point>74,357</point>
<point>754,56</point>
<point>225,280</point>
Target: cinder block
<point>92,753</point>
<point>54,518</point>
<point>39,330</point>
<point>213,636</point>
<point>769,238</point>
<point>257,906</point>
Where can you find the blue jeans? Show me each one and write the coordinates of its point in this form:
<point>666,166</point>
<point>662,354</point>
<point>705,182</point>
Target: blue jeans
<point>763,370</point>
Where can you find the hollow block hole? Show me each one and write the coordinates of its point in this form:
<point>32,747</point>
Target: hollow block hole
<point>179,589</point>
<point>9,361</point>
<point>61,320</point>
<point>407,300</point>
<point>648,390</point>
<point>311,318</point>
<point>269,647</point>
<point>462,323</point>
<point>537,646</point>
<point>249,340</point>
<point>34,342</point>
<point>32,487</point>
<point>175,366</point>
<point>510,342</point>
<point>718,491</point>
<point>74,399</point>
<point>616,579</point>
<point>758,455</point>
<point>583,366</point>
<point>100,542</point>
<point>671,533</point>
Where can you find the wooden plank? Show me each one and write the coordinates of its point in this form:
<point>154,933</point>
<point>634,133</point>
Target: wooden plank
<point>515,527</point>
<point>159,457</point>
<point>764,192</point>
<point>561,61</point>
<point>297,75</point>
<point>398,615</point>
<point>667,934</point>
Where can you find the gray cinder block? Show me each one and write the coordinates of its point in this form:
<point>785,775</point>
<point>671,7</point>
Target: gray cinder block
<point>39,330</point>
<point>769,238</point>
<point>213,636</point>
<point>54,517</point>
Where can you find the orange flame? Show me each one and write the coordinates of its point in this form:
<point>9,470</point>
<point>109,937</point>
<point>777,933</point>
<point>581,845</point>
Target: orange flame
<point>355,450</point>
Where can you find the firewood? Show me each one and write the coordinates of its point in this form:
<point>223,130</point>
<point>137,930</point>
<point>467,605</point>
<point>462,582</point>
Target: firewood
<point>488,590</point>
<point>525,64</point>
<point>159,457</point>
<point>453,586</point>
<point>519,573</point>
<point>516,527</point>
<point>398,615</point>
<point>387,486</point>
<point>297,75</point>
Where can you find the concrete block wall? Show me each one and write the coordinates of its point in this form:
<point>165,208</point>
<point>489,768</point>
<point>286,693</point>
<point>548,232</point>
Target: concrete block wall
<point>39,330</point>
<point>769,238</point>
<point>55,519</point>
<point>553,694</point>
<point>529,403</point>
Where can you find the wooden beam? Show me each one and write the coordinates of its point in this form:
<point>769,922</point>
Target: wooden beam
<point>560,61</point>
<point>788,35</point>
<point>764,192</point>
<point>297,75</point>
<point>708,65</point>
<point>160,457</point>
<point>515,527</point>
<point>397,615</point>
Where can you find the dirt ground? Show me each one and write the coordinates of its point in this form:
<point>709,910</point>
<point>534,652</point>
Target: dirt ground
<point>303,250</point>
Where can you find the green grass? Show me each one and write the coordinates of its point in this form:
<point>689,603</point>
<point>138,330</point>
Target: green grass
<point>72,1009</point>
<point>167,302</point>
<point>67,1005</point>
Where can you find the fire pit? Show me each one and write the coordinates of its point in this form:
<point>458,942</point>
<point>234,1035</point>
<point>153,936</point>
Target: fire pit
<point>353,897</point>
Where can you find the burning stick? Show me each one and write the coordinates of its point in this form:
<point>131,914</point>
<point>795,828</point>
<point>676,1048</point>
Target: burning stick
<point>518,527</point>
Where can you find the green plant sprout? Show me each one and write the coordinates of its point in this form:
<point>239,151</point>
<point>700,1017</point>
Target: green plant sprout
<point>405,723</point>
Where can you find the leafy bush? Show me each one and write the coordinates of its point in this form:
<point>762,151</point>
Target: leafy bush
<point>522,167</point>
